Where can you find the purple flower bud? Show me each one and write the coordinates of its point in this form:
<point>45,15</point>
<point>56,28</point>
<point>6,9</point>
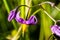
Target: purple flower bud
<point>12,15</point>
<point>56,29</point>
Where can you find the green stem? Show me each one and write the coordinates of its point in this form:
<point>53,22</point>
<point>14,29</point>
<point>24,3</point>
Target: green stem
<point>41,36</point>
<point>36,11</point>
<point>44,24</point>
<point>49,16</point>
<point>45,13</point>
<point>6,5</point>
<point>23,9</point>
<point>17,34</point>
<point>27,12</point>
<point>57,8</point>
<point>8,10</point>
<point>52,4</point>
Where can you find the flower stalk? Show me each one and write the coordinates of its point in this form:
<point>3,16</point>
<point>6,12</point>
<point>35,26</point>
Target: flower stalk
<point>18,34</point>
<point>57,8</point>
<point>50,16</point>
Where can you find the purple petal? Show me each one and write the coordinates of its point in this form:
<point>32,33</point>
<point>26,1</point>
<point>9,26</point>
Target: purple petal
<point>32,20</point>
<point>11,15</point>
<point>56,30</point>
<point>18,19</point>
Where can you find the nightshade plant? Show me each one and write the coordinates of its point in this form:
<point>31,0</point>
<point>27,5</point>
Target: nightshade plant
<point>14,14</point>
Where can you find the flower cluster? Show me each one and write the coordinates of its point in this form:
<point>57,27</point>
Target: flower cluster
<point>15,15</point>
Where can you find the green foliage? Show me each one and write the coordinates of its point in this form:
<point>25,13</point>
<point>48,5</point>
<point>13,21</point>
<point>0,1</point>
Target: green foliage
<point>40,31</point>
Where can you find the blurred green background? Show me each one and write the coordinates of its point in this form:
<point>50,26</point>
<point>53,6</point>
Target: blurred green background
<point>40,31</point>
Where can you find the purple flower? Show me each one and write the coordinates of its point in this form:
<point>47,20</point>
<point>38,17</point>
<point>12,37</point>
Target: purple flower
<point>12,15</point>
<point>31,20</point>
<point>56,29</point>
<point>15,15</point>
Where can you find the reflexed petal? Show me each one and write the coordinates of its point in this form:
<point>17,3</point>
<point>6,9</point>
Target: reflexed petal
<point>32,20</point>
<point>56,30</point>
<point>53,28</point>
<point>18,19</point>
<point>12,15</point>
